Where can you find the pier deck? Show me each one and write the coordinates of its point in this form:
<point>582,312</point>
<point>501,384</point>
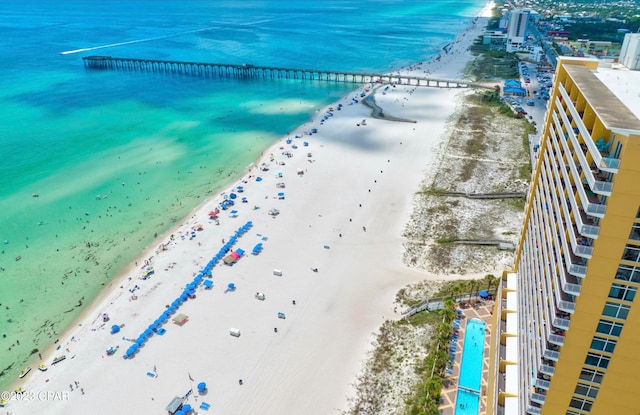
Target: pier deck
<point>247,71</point>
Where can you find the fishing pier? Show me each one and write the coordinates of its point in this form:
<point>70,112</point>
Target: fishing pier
<point>247,71</point>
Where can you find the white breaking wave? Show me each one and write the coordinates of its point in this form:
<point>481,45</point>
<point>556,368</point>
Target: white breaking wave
<point>69,52</point>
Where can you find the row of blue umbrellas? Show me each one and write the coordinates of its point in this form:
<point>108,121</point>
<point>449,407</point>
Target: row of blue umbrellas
<point>190,290</point>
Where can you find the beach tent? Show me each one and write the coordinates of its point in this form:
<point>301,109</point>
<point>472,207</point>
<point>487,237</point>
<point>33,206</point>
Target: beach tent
<point>115,329</point>
<point>483,294</point>
<point>174,405</point>
<point>180,319</point>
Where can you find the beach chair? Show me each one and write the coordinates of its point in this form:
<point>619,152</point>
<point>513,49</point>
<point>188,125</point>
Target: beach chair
<point>205,406</point>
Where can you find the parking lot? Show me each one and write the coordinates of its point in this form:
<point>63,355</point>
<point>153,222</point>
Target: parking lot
<point>534,104</point>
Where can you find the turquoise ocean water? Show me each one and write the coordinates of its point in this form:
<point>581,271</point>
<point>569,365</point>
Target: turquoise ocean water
<point>117,158</point>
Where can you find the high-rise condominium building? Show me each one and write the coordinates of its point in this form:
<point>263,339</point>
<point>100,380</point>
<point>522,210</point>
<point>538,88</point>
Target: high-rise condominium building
<point>566,329</point>
<point>517,30</point>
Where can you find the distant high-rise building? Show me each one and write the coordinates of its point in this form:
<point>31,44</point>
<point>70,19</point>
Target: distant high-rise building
<point>566,323</point>
<point>517,30</point>
<point>630,51</point>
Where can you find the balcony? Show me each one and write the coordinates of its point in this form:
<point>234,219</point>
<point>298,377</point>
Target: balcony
<point>608,163</point>
<point>547,369</point>
<point>538,398</point>
<point>579,245</point>
<point>533,410</point>
<point>543,384</point>
<point>551,354</point>
<point>586,225</point>
<point>556,339</point>
<point>597,181</point>
<point>561,323</point>
<point>591,205</point>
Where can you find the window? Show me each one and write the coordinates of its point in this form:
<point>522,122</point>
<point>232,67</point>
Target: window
<point>631,253</point>
<point>587,390</point>
<point>609,328</point>
<point>628,273</point>
<point>581,404</point>
<point>593,376</point>
<point>622,292</point>
<point>603,345</point>
<point>616,310</point>
<point>597,360</point>
<point>635,232</point>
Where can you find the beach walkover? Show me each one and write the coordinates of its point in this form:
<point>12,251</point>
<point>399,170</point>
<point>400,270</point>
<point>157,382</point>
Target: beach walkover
<point>265,72</point>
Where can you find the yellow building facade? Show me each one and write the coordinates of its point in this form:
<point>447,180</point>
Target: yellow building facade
<point>566,337</point>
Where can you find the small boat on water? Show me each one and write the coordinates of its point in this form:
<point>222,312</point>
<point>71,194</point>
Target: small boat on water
<point>2,403</point>
<point>58,359</point>
<point>20,390</point>
<point>24,372</point>
<point>42,367</point>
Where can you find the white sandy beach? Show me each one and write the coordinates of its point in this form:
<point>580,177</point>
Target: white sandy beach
<point>357,177</point>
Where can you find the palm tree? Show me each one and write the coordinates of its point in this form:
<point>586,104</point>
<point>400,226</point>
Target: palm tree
<point>449,304</point>
<point>472,286</point>
<point>490,279</point>
<point>456,289</point>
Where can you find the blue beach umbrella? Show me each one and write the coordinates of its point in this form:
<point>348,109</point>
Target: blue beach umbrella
<point>115,329</point>
<point>202,386</point>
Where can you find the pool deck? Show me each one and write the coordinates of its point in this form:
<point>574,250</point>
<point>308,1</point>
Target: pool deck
<point>447,406</point>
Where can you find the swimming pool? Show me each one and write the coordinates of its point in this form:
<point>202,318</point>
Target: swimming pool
<point>468,396</point>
